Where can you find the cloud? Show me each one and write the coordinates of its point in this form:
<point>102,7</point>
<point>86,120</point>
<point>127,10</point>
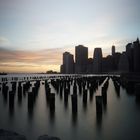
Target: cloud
<point>30,61</point>
<point>4,41</point>
<point>47,55</point>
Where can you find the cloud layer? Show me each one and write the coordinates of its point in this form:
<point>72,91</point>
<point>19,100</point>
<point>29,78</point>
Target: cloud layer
<point>35,33</point>
<point>30,61</point>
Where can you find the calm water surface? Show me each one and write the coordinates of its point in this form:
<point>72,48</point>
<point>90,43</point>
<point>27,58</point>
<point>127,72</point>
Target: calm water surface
<point>120,119</point>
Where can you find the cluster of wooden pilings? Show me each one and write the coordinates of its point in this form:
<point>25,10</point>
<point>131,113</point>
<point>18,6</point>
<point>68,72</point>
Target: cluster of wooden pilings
<point>20,88</point>
<point>66,86</point>
<point>4,79</point>
<point>72,86</point>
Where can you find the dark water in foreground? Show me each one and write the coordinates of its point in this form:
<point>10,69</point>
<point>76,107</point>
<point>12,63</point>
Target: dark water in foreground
<point>120,119</point>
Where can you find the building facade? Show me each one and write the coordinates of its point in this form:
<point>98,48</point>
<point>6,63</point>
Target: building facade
<point>97,63</point>
<point>81,59</point>
<point>68,63</point>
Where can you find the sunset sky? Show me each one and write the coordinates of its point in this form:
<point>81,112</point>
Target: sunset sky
<point>35,33</point>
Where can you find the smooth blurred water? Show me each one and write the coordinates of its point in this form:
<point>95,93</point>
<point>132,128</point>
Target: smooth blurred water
<point>120,119</point>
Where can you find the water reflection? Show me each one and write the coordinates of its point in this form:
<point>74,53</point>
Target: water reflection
<point>30,112</point>
<point>71,104</point>
<point>32,95</point>
<point>19,99</point>
<point>85,106</point>
<point>11,103</point>
<point>130,88</point>
<point>61,93</point>
<point>104,99</point>
<point>74,117</point>
<point>99,120</point>
<point>66,104</point>
<point>5,89</point>
<point>19,94</point>
<point>74,109</point>
<point>91,96</point>
<point>137,101</point>
<point>85,100</point>
<point>30,105</point>
<point>99,101</point>
<point>5,97</point>
<point>52,116</point>
<point>51,105</point>
<point>66,95</point>
<point>118,94</point>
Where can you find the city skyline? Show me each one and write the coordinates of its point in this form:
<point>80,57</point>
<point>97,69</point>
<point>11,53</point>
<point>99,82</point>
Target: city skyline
<point>33,35</point>
<point>54,60</point>
<point>116,62</point>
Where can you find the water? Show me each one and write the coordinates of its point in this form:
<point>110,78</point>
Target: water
<point>120,119</point>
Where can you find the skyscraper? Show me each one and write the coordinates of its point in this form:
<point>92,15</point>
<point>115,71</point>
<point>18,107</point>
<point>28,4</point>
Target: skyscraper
<point>130,56</point>
<point>97,63</point>
<point>68,63</point>
<point>113,50</point>
<point>123,65</point>
<point>136,46</point>
<point>81,59</point>
<point>90,65</point>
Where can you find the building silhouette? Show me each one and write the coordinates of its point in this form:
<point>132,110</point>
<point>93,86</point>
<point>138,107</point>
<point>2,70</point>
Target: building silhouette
<point>136,46</point>
<point>108,64</point>
<point>130,56</point>
<point>128,61</point>
<point>123,65</point>
<point>68,63</point>
<point>90,66</point>
<point>113,50</point>
<point>81,59</point>
<point>116,59</point>
<point>97,63</point>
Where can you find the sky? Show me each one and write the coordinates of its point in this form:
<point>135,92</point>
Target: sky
<point>35,33</point>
